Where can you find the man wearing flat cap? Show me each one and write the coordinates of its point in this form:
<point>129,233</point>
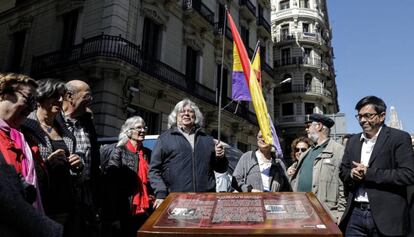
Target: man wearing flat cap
<point>318,167</point>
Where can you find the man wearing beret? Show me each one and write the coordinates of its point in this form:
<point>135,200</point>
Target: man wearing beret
<point>318,167</point>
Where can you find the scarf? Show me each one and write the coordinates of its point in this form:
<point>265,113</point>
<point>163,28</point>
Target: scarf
<point>28,165</point>
<point>141,200</point>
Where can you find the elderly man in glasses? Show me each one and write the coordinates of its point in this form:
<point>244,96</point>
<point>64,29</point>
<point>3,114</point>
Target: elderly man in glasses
<point>79,119</point>
<point>318,168</point>
<point>184,156</point>
<point>377,167</point>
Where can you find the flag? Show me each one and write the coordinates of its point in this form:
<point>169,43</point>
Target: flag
<point>240,90</point>
<point>241,66</point>
<point>252,76</point>
<point>259,102</point>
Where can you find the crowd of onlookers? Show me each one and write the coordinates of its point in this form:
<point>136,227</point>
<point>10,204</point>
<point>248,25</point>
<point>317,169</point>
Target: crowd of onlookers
<point>55,180</point>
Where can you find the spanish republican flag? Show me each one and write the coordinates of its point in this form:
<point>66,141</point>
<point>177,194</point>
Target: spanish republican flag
<point>258,101</point>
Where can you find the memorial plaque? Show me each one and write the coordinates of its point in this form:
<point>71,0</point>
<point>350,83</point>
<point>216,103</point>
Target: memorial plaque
<point>239,214</point>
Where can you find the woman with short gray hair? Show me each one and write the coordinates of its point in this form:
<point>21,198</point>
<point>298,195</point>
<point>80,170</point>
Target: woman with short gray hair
<point>129,166</point>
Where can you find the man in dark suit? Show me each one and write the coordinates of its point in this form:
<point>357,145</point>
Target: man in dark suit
<point>377,167</point>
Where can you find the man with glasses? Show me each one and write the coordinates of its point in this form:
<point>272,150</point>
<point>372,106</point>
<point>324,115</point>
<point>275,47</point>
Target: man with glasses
<point>377,167</point>
<point>184,156</point>
<point>318,167</point>
<point>78,117</point>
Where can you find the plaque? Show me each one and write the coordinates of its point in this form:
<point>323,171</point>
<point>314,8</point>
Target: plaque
<point>237,214</point>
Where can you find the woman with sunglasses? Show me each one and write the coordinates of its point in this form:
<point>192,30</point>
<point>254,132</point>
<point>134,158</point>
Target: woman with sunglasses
<point>58,165</point>
<point>128,195</point>
<point>261,170</point>
<point>298,147</point>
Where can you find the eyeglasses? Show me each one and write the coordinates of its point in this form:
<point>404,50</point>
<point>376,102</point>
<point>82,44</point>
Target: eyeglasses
<point>30,100</point>
<point>367,116</point>
<point>190,111</point>
<point>301,149</point>
<point>140,128</point>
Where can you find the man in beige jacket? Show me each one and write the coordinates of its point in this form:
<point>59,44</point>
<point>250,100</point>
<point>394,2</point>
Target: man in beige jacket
<point>318,167</point>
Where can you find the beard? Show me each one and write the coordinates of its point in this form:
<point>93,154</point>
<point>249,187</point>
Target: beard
<point>314,137</point>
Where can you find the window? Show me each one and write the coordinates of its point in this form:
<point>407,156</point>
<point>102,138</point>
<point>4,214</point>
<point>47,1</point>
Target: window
<point>304,3</point>
<point>152,119</point>
<point>16,57</point>
<point>284,5</point>
<point>309,108</point>
<point>151,40</point>
<point>263,54</point>
<point>286,84</point>
<point>284,31</point>
<point>305,27</point>
<point>191,67</point>
<point>244,34</point>
<point>308,82</point>
<point>225,82</point>
<point>287,109</point>
<point>307,55</point>
<point>286,56</point>
<point>70,23</point>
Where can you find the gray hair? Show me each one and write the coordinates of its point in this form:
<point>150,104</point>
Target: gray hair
<point>48,88</point>
<point>130,123</point>
<point>172,118</point>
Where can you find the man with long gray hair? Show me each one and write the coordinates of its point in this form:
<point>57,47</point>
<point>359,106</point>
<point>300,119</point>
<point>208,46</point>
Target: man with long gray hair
<point>318,167</point>
<point>184,157</point>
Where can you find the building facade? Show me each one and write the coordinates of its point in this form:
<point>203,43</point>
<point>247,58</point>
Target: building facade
<point>303,61</point>
<point>141,57</point>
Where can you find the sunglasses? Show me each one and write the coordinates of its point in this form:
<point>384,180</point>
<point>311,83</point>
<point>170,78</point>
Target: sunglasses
<point>300,149</point>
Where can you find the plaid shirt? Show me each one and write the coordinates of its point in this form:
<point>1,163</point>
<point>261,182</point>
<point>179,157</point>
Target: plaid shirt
<point>83,144</point>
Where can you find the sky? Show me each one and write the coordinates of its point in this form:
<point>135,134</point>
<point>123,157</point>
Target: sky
<point>373,43</point>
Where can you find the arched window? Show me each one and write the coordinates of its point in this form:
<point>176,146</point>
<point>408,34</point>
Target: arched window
<point>308,82</point>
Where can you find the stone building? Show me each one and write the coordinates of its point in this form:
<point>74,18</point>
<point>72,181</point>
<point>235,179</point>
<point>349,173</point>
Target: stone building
<point>303,60</point>
<point>141,57</point>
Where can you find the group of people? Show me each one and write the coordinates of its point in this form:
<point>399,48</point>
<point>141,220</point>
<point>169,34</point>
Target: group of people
<point>56,181</point>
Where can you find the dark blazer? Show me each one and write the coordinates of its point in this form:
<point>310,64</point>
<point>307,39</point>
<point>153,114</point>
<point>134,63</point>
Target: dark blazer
<point>391,170</point>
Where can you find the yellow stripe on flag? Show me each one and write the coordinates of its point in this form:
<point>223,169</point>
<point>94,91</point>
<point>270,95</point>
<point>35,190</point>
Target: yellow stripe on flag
<point>259,102</point>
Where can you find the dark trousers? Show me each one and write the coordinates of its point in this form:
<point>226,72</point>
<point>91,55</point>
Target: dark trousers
<point>361,223</point>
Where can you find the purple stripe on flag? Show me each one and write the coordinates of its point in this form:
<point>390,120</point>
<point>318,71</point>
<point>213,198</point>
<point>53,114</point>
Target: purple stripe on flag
<point>240,91</point>
<point>276,142</point>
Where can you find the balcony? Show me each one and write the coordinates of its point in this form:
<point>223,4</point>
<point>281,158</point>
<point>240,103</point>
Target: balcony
<point>247,9</point>
<point>263,27</point>
<point>207,15</point>
<point>316,90</point>
<point>305,61</point>
<point>115,47</point>
<point>218,31</point>
<point>98,46</point>
<point>266,67</point>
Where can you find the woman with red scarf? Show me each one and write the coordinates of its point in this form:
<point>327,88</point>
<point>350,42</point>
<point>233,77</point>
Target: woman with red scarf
<point>128,172</point>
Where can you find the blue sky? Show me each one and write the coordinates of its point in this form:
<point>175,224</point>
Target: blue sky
<point>373,44</point>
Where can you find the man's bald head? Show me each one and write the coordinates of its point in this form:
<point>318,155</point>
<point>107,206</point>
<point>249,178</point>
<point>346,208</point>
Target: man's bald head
<point>77,98</point>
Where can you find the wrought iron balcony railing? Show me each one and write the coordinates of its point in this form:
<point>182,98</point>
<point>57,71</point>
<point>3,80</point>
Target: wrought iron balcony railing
<point>249,5</point>
<point>263,22</point>
<point>218,30</point>
<point>197,5</point>
<point>101,45</point>
<point>319,90</point>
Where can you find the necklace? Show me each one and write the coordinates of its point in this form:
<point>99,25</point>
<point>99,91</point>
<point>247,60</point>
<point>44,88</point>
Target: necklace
<point>49,129</point>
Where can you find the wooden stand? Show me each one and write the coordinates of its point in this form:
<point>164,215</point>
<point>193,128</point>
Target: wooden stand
<point>240,214</point>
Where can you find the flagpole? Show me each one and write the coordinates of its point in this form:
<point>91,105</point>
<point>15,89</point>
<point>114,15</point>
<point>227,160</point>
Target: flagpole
<point>221,71</point>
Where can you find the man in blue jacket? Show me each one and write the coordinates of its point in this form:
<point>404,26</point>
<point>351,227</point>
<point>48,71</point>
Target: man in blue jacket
<point>184,157</point>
